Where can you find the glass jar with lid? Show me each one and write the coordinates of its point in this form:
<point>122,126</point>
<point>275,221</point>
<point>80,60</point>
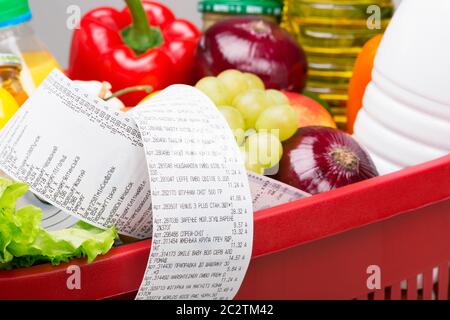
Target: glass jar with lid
<point>216,10</point>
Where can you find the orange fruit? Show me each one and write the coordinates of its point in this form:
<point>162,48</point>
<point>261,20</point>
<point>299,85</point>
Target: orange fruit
<point>362,75</point>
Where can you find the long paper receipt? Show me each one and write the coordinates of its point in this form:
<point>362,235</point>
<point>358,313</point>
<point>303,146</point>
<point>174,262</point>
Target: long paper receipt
<point>169,169</point>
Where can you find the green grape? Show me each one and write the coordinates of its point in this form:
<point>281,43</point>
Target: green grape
<point>235,121</point>
<point>282,118</point>
<point>252,167</point>
<point>251,104</point>
<point>215,90</point>
<point>263,149</point>
<point>254,82</point>
<point>234,81</point>
<point>255,168</point>
<point>276,98</point>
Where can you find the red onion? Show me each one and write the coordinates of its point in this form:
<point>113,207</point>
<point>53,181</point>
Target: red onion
<point>255,45</point>
<point>319,159</point>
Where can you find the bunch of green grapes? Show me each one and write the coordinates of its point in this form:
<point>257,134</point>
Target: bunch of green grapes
<point>260,119</point>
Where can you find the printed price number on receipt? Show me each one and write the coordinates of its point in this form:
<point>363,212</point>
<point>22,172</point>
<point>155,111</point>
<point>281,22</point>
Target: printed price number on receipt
<point>157,171</point>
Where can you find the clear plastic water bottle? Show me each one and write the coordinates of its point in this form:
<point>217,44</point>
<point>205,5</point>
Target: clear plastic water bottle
<point>17,37</point>
<point>332,33</point>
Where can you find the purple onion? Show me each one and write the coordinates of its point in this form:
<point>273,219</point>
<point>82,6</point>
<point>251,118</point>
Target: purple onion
<point>255,45</point>
<point>319,159</point>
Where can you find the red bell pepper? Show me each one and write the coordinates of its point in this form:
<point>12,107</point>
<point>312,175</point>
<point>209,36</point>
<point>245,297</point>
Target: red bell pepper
<point>144,44</point>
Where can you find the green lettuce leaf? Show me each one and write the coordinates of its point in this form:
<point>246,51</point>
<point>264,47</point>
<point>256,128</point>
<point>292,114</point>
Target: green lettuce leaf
<point>23,241</point>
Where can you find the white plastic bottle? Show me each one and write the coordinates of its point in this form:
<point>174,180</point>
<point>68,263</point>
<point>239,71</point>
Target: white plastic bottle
<point>405,118</point>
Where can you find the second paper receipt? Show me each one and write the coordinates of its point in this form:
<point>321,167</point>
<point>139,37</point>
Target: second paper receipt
<point>170,170</point>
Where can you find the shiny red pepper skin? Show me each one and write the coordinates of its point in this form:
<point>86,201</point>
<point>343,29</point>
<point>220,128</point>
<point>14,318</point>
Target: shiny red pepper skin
<point>98,51</point>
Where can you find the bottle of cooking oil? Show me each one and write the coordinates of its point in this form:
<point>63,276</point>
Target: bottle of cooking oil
<point>17,36</point>
<point>332,33</point>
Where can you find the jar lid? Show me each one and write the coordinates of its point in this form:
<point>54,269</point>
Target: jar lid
<point>10,59</point>
<point>256,7</point>
<point>14,12</point>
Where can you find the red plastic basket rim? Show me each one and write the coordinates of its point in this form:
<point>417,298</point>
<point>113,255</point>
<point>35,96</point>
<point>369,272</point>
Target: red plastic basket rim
<point>308,219</point>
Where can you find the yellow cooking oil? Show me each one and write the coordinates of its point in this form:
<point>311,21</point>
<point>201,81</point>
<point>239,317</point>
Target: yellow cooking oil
<point>332,33</point>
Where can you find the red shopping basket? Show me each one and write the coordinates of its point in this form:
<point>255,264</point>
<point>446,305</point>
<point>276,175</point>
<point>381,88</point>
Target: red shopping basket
<point>315,248</point>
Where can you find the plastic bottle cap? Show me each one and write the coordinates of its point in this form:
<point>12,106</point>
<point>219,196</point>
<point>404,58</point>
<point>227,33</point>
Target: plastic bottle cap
<point>14,12</point>
<point>257,7</point>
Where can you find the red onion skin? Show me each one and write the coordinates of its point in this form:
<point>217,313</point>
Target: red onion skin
<point>255,45</point>
<point>308,162</point>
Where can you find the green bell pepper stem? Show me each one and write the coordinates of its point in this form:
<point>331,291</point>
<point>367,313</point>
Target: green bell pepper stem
<point>140,36</point>
<point>119,93</point>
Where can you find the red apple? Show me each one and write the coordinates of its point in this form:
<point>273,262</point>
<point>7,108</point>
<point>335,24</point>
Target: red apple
<point>310,112</point>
